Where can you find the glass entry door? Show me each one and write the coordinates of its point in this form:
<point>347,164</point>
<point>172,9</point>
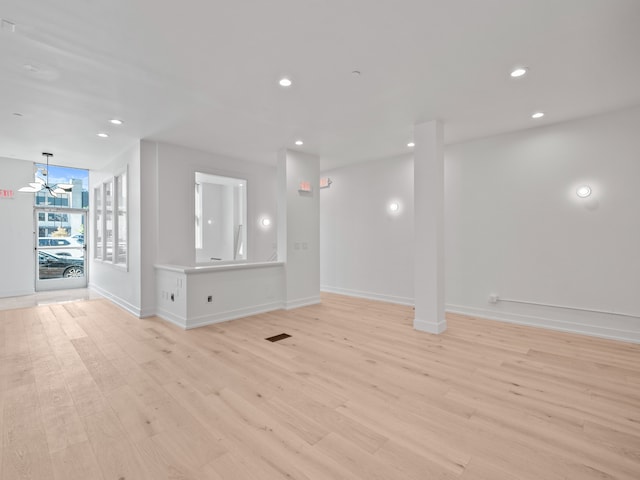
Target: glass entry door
<point>60,249</point>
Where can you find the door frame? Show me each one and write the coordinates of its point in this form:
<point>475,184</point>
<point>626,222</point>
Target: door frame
<point>42,285</point>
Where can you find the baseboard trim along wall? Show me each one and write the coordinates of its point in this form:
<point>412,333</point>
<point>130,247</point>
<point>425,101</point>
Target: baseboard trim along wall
<point>551,318</point>
<point>563,325</point>
<point>220,317</point>
<point>172,318</point>
<point>368,295</point>
<point>118,301</point>
<point>430,327</point>
<point>17,293</point>
<point>302,302</point>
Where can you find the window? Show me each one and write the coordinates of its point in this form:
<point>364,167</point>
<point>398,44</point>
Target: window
<point>121,219</point>
<point>41,216</point>
<point>76,197</point>
<point>97,234</point>
<point>111,221</point>
<point>220,218</point>
<point>108,220</point>
<point>54,217</point>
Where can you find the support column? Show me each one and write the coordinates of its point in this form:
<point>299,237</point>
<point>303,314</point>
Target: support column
<point>428,177</point>
<point>299,227</point>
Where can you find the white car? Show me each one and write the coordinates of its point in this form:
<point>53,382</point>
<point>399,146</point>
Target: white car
<point>49,243</point>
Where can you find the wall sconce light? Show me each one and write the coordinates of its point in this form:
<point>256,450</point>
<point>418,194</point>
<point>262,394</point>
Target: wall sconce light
<point>394,206</point>
<point>265,222</point>
<point>584,191</point>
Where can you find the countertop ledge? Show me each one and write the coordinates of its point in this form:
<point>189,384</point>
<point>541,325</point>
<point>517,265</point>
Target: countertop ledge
<point>216,268</point>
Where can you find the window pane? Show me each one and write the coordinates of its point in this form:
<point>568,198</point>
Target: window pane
<point>98,242</point>
<point>121,192</point>
<point>75,179</point>
<point>108,224</point>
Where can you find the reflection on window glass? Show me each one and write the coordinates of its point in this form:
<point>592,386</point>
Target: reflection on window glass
<point>108,221</point>
<point>111,220</point>
<point>198,217</point>
<point>98,242</point>
<point>220,218</point>
<point>76,197</point>
<point>121,203</point>
<point>56,217</point>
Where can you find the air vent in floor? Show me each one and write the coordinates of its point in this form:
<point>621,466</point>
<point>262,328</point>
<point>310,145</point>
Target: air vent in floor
<point>276,338</point>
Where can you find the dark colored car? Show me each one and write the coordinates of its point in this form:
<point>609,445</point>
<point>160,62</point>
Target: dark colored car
<point>56,266</point>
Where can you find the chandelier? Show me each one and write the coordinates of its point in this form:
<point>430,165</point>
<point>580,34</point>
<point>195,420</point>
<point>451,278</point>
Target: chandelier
<point>41,182</point>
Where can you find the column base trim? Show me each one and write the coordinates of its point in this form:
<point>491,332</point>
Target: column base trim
<point>430,327</point>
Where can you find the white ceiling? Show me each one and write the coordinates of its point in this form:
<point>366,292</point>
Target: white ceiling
<point>204,73</point>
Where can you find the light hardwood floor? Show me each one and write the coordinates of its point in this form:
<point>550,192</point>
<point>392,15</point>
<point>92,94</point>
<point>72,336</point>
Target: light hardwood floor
<point>89,392</point>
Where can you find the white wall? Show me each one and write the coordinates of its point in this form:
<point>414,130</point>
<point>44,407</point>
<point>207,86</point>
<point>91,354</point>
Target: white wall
<point>513,226</point>
<point>176,167</point>
<point>162,212</point>
<point>365,249</point>
<point>17,237</point>
<point>299,234</point>
<point>121,285</point>
<point>516,228</point>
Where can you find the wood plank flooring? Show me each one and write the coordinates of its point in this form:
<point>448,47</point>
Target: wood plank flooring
<point>89,392</point>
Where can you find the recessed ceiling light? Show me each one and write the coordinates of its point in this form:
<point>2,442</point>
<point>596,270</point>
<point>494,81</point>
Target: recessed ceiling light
<point>538,115</point>
<point>103,135</point>
<point>583,191</point>
<point>285,82</point>
<point>519,72</point>
<point>299,142</point>
<point>411,144</point>
<point>356,73</point>
<point>116,121</point>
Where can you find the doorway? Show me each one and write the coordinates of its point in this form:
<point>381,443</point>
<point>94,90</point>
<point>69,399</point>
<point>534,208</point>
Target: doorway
<point>60,247</point>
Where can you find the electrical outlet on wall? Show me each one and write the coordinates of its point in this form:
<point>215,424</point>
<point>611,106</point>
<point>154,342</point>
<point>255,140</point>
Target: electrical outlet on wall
<point>493,298</point>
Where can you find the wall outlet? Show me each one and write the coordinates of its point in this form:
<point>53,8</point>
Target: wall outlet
<point>493,298</point>
<point>210,298</point>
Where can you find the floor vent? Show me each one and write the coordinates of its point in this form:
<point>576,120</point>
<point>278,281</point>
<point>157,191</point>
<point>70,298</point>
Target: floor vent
<point>276,338</point>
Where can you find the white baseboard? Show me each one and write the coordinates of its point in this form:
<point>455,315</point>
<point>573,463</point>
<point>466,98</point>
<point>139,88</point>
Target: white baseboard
<point>368,295</point>
<point>17,293</point>
<point>172,318</point>
<point>430,327</point>
<point>550,323</point>
<point>219,317</point>
<point>301,302</point>
<point>117,300</point>
<point>147,312</point>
